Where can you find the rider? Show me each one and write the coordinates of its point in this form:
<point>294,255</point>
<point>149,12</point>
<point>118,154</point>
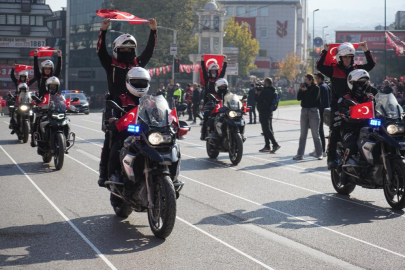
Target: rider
<point>21,88</point>
<point>47,71</point>
<point>338,74</point>
<point>210,78</point>
<point>117,67</point>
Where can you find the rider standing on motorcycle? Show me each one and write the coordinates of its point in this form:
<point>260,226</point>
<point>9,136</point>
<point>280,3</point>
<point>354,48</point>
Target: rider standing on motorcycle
<point>210,78</point>
<point>338,75</point>
<point>117,67</point>
<point>22,78</point>
<point>47,71</point>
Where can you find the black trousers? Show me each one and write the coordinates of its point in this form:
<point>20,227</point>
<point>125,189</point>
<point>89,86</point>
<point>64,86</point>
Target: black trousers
<point>190,114</point>
<point>350,142</point>
<point>266,120</point>
<point>114,158</point>
<point>252,112</point>
<point>334,136</point>
<point>196,111</point>
<point>105,154</point>
<point>321,131</point>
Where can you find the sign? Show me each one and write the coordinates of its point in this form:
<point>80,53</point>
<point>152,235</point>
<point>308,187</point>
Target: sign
<point>375,39</point>
<point>232,70</point>
<point>318,42</point>
<point>282,29</point>
<point>232,53</point>
<point>173,49</point>
<point>22,42</point>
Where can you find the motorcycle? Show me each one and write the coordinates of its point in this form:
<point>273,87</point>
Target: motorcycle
<point>150,158</point>
<point>379,162</point>
<point>22,116</point>
<point>53,136</point>
<point>225,127</point>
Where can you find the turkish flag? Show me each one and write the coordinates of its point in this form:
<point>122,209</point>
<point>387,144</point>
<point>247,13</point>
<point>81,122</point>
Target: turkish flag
<point>19,68</point>
<point>173,116</point>
<point>68,103</point>
<point>331,55</point>
<point>208,60</point>
<point>362,111</point>
<point>44,101</point>
<point>44,51</point>
<point>128,119</point>
<point>116,15</point>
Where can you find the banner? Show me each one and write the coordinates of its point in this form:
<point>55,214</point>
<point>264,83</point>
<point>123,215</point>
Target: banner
<point>375,39</point>
<point>396,43</point>
<point>209,59</point>
<point>22,42</point>
<point>19,68</point>
<point>44,51</point>
<point>331,55</point>
<point>166,69</point>
<point>116,15</point>
<point>128,119</point>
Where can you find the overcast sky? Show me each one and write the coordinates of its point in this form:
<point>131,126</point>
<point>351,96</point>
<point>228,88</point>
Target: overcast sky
<point>336,14</point>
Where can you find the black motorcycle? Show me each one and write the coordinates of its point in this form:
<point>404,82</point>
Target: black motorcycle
<point>379,162</point>
<point>53,136</point>
<point>225,127</point>
<point>22,116</point>
<point>150,159</point>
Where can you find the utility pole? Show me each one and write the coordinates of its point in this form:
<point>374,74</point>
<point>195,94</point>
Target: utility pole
<point>313,38</point>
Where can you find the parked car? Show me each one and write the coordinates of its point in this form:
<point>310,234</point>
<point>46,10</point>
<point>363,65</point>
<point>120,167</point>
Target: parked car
<point>82,106</point>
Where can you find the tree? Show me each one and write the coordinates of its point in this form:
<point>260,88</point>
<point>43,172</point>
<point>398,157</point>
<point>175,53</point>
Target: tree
<point>240,36</point>
<point>178,15</point>
<point>290,67</point>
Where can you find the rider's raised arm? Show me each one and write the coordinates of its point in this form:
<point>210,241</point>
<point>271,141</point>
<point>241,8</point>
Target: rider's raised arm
<point>204,71</point>
<point>370,62</point>
<point>320,65</point>
<point>37,73</point>
<point>102,53</point>
<point>58,66</point>
<point>12,76</point>
<point>224,65</point>
<point>34,79</point>
<point>147,54</point>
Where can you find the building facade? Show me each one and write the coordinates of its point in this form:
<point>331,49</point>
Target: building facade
<point>22,29</point>
<point>280,27</point>
<point>400,20</point>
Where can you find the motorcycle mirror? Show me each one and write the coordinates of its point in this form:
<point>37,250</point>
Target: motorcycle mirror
<point>37,99</point>
<point>349,103</point>
<point>76,99</point>
<point>112,105</point>
<point>182,107</point>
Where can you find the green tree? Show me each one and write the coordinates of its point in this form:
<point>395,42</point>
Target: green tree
<point>290,67</point>
<point>179,15</point>
<point>240,36</point>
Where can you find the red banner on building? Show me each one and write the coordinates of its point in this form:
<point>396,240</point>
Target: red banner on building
<point>375,39</point>
<point>251,23</point>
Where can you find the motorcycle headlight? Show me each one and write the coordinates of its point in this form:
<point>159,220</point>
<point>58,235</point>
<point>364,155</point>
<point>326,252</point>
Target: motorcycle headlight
<point>155,138</point>
<point>394,129</point>
<point>23,108</point>
<point>58,115</point>
<point>233,114</point>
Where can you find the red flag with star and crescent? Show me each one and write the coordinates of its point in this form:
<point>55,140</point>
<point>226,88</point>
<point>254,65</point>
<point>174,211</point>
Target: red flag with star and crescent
<point>19,68</point>
<point>128,119</point>
<point>44,51</point>
<point>209,59</point>
<point>173,116</point>
<point>45,100</point>
<point>116,15</point>
<point>331,55</point>
<point>362,111</point>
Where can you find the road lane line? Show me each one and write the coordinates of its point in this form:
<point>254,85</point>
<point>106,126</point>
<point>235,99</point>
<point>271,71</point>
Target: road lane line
<point>224,243</point>
<point>92,129</point>
<point>99,145</point>
<point>297,218</point>
<point>101,255</point>
<point>91,121</point>
<point>82,164</point>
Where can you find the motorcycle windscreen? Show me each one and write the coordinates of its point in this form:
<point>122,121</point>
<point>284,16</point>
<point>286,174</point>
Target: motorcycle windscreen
<point>57,103</point>
<point>154,111</point>
<point>232,102</point>
<point>25,98</point>
<point>387,106</point>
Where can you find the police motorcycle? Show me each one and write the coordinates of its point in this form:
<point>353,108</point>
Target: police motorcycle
<point>225,126</point>
<point>379,162</point>
<point>150,158</point>
<point>52,134</point>
<point>22,113</point>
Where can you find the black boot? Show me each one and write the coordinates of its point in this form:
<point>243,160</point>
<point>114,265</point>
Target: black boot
<point>115,201</point>
<point>129,190</point>
<point>103,176</point>
<point>332,163</point>
<point>33,142</point>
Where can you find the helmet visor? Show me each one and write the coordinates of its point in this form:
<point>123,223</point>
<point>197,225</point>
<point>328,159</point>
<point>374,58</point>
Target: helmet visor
<point>139,83</point>
<point>223,88</point>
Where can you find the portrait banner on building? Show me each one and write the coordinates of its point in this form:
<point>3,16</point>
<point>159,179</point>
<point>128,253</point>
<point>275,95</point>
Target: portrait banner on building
<point>251,23</point>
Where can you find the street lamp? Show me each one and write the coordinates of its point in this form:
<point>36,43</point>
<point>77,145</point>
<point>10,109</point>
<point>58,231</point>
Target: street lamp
<point>91,53</point>
<point>174,42</point>
<point>313,38</point>
<point>326,36</point>
<point>323,32</point>
<point>385,37</point>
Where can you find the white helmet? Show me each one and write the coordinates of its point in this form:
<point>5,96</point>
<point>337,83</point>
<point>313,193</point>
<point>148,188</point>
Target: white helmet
<point>137,81</point>
<point>23,73</point>
<point>213,66</point>
<point>345,49</point>
<point>221,83</point>
<point>123,41</point>
<point>23,86</point>
<point>46,64</point>
<point>359,76</point>
<point>52,85</point>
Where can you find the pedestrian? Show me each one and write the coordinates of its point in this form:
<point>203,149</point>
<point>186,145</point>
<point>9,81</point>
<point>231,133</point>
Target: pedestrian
<point>309,95</point>
<point>188,98</point>
<point>251,102</point>
<point>387,88</point>
<point>401,87</point>
<point>169,95</point>
<point>177,95</point>
<point>264,97</point>
<point>196,100</point>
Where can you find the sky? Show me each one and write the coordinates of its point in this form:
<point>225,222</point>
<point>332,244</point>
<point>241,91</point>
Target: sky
<point>336,14</point>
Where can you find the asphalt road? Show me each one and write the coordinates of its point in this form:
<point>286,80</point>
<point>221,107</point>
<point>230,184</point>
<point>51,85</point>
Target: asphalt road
<point>267,212</point>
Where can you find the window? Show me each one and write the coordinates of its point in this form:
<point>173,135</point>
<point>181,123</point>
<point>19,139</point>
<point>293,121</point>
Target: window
<point>263,53</point>
<point>49,24</point>
<point>18,19</point>
<point>252,11</point>
<point>39,20</point>
<point>263,33</point>
<point>264,11</point>
<point>229,11</point>
<point>205,45</point>
<point>32,20</point>
<point>2,19</point>
<point>240,11</point>
<point>10,19</point>
<point>25,20</point>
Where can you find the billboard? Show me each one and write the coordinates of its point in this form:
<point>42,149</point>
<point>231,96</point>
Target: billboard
<point>375,39</point>
<point>22,42</point>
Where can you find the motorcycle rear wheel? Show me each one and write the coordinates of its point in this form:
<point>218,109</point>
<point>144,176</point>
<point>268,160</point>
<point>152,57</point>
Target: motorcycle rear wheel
<point>46,159</point>
<point>163,216</point>
<point>59,151</point>
<point>211,151</point>
<point>341,189</point>
<point>26,131</point>
<point>236,149</point>
<point>394,193</point>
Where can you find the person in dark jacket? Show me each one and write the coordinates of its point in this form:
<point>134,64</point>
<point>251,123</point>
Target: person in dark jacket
<point>47,70</point>
<point>325,94</point>
<point>251,102</point>
<point>196,103</point>
<point>116,68</point>
<point>309,95</point>
<point>264,97</point>
<point>387,88</point>
<point>338,74</point>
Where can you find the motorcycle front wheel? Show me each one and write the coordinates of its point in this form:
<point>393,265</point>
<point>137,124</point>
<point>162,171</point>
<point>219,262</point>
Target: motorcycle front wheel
<point>236,148</point>
<point>337,185</point>
<point>394,192</point>
<point>211,150</point>
<point>26,128</point>
<point>163,216</point>
<point>59,155</point>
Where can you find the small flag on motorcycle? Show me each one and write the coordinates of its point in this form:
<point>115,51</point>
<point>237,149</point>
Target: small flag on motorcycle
<point>134,128</point>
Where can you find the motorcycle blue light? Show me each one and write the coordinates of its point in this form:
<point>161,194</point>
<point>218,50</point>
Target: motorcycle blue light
<point>134,128</point>
<point>375,122</point>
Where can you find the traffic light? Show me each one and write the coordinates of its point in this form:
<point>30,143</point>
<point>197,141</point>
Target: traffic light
<point>176,67</point>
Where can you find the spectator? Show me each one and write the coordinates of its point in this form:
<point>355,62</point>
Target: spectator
<point>251,102</point>
<point>400,87</point>
<point>197,96</point>
<point>169,94</point>
<point>387,89</point>
<point>177,95</point>
<point>309,95</point>
<point>264,98</point>
<point>325,95</point>
<point>188,98</point>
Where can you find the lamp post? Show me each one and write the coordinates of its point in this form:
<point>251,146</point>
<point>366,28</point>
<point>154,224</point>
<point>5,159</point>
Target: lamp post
<point>326,36</point>
<point>174,42</point>
<point>323,32</point>
<point>91,53</point>
<point>385,37</point>
<point>313,37</point>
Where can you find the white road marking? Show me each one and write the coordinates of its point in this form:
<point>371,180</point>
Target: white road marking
<point>99,145</point>
<point>93,157</point>
<point>82,164</point>
<point>101,255</point>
